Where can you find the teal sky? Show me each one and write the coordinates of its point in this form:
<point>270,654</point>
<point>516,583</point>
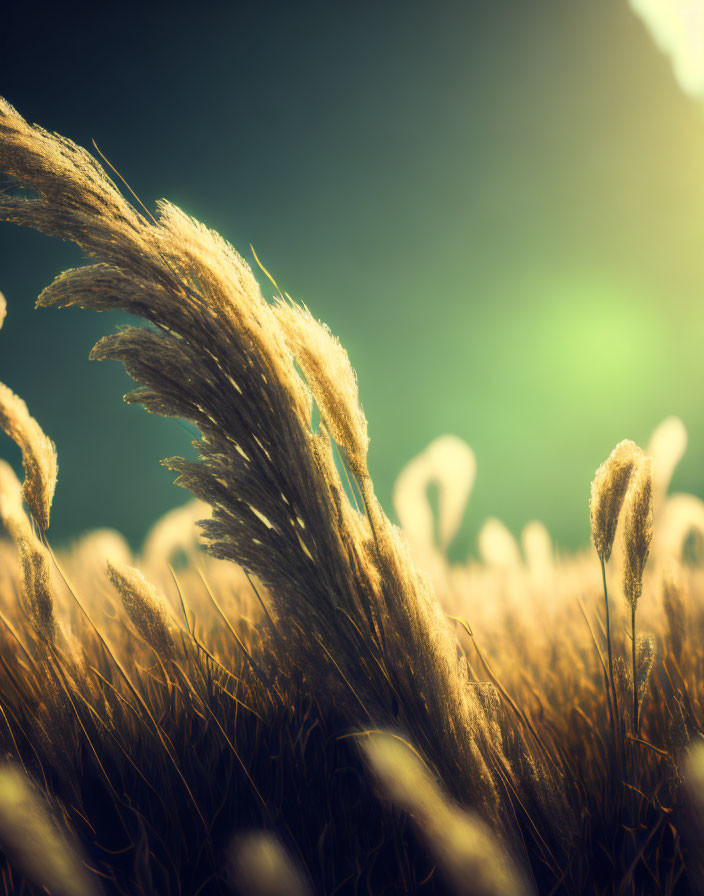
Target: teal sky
<point>497,207</point>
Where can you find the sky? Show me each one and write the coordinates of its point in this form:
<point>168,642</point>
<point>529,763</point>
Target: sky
<point>498,208</point>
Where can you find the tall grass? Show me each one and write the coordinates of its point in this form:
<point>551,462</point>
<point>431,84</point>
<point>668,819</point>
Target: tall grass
<point>167,703</point>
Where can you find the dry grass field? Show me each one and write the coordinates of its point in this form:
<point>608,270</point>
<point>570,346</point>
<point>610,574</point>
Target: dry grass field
<point>284,692</point>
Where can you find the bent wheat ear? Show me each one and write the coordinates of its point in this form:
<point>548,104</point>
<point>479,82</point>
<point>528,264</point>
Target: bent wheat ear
<point>449,462</point>
<point>34,842</point>
<point>261,866</point>
<point>38,454</point>
<point>12,512</point>
<point>145,606</point>
<point>608,492</point>
<point>3,309</point>
<point>467,852</point>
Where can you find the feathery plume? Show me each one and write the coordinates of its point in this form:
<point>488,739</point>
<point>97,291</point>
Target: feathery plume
<point>145,606</point>
<point>261,866</point>
<point>638,529</point>
<point>645,653</point>
<point>341,583</point>
<point>12,512</point>
<point>38,454</point>
<point>332,380</point>
<point>38,586</point>
<point>608,492</point>
<point>470,857</point>
<point>33,841</point>
<point>33,555</point>
<point>638,533</point>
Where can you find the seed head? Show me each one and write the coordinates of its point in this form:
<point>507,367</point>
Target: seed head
<point>638,531</point>
<point>145,606</point>
<point>37,584</point>
<point>608,491</point>
<point>332,380</point>
<point>645,651</point>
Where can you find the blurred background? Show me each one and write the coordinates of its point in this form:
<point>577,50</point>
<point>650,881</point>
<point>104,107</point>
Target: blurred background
<point>498,207</point>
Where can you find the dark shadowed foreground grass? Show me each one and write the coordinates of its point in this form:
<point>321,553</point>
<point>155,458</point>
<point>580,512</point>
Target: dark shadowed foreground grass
<point>298,708</point>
